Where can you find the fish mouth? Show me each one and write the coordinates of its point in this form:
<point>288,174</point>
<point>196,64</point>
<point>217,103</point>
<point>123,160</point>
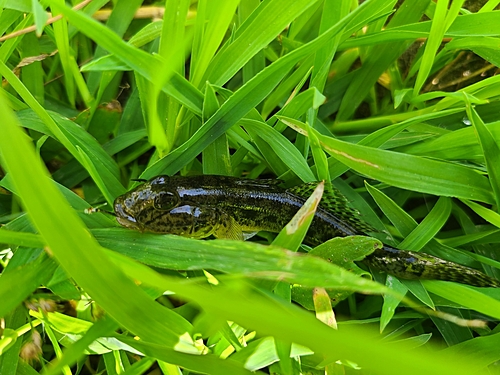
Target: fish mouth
<point>124,218</point>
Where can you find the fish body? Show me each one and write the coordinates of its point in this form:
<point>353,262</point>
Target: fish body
<point>201,206</point>
<point>230,207</point>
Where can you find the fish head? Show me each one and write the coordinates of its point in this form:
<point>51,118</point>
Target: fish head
<point>134,208</point>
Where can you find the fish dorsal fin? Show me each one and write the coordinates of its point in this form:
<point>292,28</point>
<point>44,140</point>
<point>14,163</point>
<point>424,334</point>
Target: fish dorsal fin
<point>334,202</point>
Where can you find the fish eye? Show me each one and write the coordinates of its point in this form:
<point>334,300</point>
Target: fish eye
<point>129,202</point>
<point>165,200</point>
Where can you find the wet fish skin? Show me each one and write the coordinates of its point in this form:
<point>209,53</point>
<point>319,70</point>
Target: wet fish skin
<point>231,207</point>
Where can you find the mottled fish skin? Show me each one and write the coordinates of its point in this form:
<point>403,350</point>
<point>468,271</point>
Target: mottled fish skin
<point>417,265</point>
<point>230,207</point>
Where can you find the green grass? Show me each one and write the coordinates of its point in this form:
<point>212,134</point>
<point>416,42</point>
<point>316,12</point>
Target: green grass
<point>397,106</point>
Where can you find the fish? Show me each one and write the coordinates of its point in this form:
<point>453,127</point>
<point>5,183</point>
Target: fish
<point>237,208</point>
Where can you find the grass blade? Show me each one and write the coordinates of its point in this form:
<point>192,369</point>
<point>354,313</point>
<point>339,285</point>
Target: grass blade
<point>77,252</point>
<point>491,151</point>
<point>429,227</point>
<point>407,171</point>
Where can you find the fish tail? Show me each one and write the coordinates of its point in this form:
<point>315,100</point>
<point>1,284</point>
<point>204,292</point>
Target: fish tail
<point>414,265</point>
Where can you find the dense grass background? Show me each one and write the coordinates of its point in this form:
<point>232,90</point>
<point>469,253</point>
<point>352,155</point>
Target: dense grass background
<point>396,103</point>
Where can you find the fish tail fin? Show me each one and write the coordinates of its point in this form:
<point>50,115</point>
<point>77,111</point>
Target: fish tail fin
<point>414,265</point>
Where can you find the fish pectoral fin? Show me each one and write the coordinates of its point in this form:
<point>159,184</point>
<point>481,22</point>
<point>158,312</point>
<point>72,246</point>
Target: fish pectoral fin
<point>230,229</point>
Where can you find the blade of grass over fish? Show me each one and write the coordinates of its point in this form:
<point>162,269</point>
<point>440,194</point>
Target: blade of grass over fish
<point>429,227</point>
<point>292,235</point>
<point>410,172</point>
<point>138,60</point>
<point>77,252</point>
<point>150,277</point>
<point>172,252</point>
<point>251,259</point>
<point>466,296</point>
<point>239,104</point>
<point>344,251</point>
<point>490,148</point>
